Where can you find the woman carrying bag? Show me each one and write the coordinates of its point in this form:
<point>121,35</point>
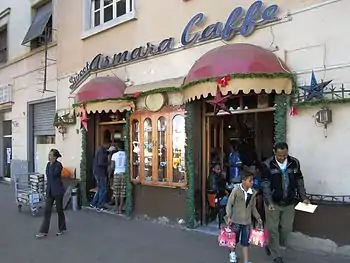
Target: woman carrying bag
<point>54,192</point>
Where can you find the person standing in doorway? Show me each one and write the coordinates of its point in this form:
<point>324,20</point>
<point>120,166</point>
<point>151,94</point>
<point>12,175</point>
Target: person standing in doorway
<point>100,167</point>
<point>54,193</point>
<point>119,180</point>
<point>281,180</point>
<point>234,165</point>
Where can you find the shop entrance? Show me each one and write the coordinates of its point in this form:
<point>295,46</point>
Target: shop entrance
<point>248,128</point>
<point>108,127</point>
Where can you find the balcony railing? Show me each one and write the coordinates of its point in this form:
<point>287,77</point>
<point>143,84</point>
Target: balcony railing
<point>335,93</point>
<point>5,94</point>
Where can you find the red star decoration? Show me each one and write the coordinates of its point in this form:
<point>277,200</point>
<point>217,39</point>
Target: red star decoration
<point>219,102</point>
<point>293,111</point>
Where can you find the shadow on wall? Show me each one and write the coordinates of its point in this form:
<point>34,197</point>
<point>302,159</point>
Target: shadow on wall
<point>330,221</point>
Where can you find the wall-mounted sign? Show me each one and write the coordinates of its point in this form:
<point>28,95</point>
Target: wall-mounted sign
<point>65,117</point>
<point>238,22</point>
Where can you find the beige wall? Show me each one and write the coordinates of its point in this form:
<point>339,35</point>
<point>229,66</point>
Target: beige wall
<point>311,39</point>
<point>26,78</point>
<point>153,25</point>
<point>324,160</point>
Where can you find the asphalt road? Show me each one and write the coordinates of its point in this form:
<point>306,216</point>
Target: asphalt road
<point>95,237</point>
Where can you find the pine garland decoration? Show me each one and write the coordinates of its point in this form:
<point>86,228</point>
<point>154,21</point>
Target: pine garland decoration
<point>280,117</point>
<point>191,210</point>
<point>244,76</point>
<point>129,193</point>
<point>83,167</point>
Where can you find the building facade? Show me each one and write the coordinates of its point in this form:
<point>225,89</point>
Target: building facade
<point>28,85</point>
<point>137,75</point>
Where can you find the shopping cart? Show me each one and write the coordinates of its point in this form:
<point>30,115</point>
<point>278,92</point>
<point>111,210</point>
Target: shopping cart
<point>30,191</point>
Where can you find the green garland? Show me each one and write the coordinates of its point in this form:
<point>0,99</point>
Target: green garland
<point>129,193</point>
<point>189,122</point>
<point>83,167</point>
<point>244,76</point>
<point>280,117</point>
<point>132,97</point>
<point>75,105</point>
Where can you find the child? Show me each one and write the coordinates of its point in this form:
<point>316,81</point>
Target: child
<point>239,210</point>
<point>217,183</point>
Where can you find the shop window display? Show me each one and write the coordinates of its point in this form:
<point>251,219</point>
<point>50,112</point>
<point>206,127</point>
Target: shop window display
<point>158,147</point>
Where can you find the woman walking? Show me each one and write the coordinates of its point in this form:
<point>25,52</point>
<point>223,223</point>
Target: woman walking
<point>54,192</point>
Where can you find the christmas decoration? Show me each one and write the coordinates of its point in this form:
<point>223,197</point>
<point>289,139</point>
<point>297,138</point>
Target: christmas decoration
<point>83,168</point>
<point>223,82</point>
<point>84,118</point>
<point>315,90</point>
<point>219,102</point>
<point>280,117</point>
<point>189,155</point>
<point>293,111</point>
<point>244,76</point>
<point>129,192</point>
<point>136,94</point>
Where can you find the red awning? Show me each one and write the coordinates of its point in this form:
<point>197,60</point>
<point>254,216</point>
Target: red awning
<point>101,88</point>
<point>102,94</point>
<point>237,59</point>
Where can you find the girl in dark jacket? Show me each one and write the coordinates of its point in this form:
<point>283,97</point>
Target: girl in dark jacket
<point>54,192</point>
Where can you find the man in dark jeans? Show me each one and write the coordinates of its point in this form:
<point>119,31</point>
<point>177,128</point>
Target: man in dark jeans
<point>281,180</point>
<point>100,167</point>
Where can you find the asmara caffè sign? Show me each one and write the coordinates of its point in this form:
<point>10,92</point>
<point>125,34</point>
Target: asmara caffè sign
<point>238,22</point>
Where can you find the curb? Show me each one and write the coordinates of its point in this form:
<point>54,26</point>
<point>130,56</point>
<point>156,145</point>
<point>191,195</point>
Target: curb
<point>301,242</point>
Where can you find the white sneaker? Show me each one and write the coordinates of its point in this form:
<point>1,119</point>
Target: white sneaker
<point>233,257</point>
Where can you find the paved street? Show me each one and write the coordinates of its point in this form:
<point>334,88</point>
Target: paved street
<point>105,238</point>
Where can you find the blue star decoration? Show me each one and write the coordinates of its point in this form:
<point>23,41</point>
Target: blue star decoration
<point>315,90</point>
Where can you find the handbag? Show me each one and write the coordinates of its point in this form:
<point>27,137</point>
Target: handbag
<point>227,237</point>
<point>258,236</point>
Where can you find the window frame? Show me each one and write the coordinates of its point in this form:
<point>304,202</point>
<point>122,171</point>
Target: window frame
<point>141,116</point>
<point>89,20</point>
<point>4,30</point>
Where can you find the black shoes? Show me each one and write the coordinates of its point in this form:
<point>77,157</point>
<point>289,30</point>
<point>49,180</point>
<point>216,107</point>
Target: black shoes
<point>267,250</point>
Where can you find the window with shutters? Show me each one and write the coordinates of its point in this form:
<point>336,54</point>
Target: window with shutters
<point>40,31</point>
<point>3,45</point>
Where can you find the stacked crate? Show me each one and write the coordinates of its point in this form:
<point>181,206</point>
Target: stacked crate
<point>37,183</point>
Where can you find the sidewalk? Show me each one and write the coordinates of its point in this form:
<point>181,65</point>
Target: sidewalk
<point>98,237</point>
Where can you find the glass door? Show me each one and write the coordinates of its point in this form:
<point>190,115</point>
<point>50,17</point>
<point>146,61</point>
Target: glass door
<point>161,144</point>
<point>148,149</point>
<point>113,133</point>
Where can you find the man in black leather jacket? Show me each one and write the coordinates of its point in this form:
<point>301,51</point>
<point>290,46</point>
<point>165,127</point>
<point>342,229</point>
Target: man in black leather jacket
<point>282,180</point>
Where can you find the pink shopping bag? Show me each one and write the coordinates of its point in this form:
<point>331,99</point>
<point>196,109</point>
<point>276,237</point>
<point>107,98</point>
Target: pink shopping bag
<point>258,237</point>
<point>227,237</point>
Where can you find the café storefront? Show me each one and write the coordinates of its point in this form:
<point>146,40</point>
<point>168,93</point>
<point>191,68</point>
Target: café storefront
<point>167,126</point>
